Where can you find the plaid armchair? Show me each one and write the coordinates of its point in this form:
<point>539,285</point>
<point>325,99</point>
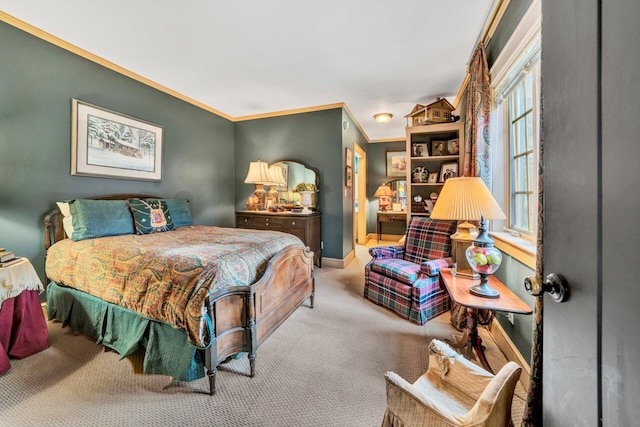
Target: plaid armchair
<point>405,278</point>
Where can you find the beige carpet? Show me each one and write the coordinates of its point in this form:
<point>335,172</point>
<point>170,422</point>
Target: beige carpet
<point>323,367</point>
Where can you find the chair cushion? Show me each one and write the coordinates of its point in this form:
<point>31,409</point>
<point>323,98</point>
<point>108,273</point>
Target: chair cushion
<point>428,239</point>
<point>397,269</point>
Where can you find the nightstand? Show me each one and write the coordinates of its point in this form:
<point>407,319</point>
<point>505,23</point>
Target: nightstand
<point>23,329</point>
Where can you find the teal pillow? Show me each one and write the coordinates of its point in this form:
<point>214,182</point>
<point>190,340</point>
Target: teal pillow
<point>151,216</point>
<point>100,218</point>
<point>179,210</point>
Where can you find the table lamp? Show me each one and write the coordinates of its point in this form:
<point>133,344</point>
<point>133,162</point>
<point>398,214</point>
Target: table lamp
<point>469,199</point>
<point>277,178</point>
<point>385,193</point>
<point>258,174</point>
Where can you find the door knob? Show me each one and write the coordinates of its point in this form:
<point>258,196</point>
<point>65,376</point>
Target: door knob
<point>554,284</point>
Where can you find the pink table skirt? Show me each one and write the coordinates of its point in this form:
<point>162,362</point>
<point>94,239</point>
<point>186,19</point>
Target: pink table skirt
<point>23,330</point>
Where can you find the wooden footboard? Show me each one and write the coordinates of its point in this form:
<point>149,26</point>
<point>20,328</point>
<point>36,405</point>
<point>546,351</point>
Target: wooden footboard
<point>244,317</point>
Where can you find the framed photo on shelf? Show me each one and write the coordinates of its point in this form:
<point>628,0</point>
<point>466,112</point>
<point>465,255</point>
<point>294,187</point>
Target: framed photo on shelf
<point>448,170</point>
<point>438,148</point>
<point>396,163</point>
<point>419,149</point>
<point>433,178</point>
<point>112,145</point>
<point>453,147</point>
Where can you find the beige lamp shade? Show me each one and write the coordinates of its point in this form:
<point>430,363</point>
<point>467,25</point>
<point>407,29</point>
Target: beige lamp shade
<point>258,173</point>
<point>383,191</point>
<point>466,199</point>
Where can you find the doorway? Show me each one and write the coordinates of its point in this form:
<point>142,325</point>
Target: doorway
<point>360,196</point>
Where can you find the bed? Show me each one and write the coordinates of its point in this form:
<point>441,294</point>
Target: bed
<point>186,298</point>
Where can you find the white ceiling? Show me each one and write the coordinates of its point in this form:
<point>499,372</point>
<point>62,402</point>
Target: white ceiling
<point>246,57</point>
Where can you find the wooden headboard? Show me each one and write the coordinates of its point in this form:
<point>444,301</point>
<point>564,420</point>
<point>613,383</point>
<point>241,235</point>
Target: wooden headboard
<point>53,230</point>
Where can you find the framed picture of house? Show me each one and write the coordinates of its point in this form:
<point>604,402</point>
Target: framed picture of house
<point>349,158</point>
<point>448,170</point>
<point>396,163</point>
<point>438,148</point>
<point>112,145</point>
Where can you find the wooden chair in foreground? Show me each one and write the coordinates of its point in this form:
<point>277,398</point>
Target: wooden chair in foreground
<point>453,392</point>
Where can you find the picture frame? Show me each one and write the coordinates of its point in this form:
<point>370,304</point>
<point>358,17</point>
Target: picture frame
<point>453,147</point>
<point>438,148</point>
<point>348,177</point>
<point>448,170</point>
<point>108,144</point>
<point>419,149</point>
<point>433,178</point>
<point>396,162</point>
<point>349,158</point>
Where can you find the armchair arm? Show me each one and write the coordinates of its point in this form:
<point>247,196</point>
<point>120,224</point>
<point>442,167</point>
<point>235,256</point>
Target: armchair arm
<point>409,407</point>
<point>432,267</point>
<point>387,252</point>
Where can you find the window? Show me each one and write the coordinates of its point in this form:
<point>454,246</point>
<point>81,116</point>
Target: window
<point>522,113</point>
<point>516,126</point>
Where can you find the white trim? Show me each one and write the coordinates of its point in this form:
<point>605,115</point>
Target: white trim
<point>527,29</point>
<point>338,263</point>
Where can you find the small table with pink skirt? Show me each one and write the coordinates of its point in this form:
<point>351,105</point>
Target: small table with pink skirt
<point>23,329</point>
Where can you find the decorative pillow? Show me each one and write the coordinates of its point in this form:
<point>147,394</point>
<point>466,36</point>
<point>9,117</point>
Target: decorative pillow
<point>67,219</point>
<point>100,218</point>
<point>179,210</point>
<point>151,216</point>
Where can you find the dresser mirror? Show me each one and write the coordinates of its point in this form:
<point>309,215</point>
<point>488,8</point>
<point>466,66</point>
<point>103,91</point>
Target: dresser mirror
<point>294,173</point>
<point>399,199</point>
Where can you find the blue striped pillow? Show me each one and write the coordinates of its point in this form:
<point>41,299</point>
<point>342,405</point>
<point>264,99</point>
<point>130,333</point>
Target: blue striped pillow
<point>100,218</point>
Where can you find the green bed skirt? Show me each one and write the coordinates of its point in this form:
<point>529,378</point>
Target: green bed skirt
<point>167,351</point>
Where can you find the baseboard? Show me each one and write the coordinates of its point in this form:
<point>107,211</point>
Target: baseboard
<point>338,263</point>
<point>508,348</point>
<point>384,237</point>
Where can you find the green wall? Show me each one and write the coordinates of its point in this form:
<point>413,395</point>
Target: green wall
<point>512,16</point>
<point>312,138</point>
<point>512,273</point>
<point>37,82</point>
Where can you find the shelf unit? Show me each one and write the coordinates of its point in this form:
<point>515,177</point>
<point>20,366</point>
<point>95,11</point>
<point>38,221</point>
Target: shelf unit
<point>421,139</point>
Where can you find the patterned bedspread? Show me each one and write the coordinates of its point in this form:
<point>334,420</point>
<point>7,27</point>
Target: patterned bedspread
<point>166,276</point>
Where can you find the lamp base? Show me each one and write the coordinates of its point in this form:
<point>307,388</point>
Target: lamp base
<point>484,290</point>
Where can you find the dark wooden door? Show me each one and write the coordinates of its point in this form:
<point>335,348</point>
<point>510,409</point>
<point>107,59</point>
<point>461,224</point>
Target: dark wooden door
<point>591,137</point>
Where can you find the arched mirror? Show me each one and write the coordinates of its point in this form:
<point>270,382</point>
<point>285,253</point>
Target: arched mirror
<point>399,199</point>
<point>294,174</point>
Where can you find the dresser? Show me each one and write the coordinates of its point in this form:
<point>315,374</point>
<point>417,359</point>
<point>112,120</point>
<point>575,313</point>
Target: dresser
<point>388,217</point>
<point>304,226</point>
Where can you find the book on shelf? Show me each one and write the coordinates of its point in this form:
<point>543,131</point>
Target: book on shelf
<point>6,256</point>
<point>10,262</point>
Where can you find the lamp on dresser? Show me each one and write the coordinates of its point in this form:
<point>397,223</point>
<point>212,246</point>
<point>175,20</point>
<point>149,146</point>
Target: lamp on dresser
<point>469,199</point>
<point>385,193</point>
<point>258,174</point>
<point>277,179</point>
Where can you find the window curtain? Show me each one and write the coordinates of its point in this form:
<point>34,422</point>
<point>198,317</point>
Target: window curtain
<point>477,151</point>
